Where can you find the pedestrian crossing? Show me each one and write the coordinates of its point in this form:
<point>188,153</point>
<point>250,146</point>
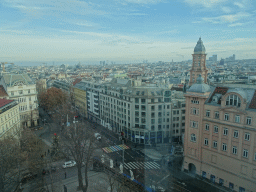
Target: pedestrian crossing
<point>142,165</point>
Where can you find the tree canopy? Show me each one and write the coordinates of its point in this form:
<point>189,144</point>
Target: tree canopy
<point>52,98</point>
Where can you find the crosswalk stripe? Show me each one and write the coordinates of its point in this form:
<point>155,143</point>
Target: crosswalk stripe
<point>141,165</point>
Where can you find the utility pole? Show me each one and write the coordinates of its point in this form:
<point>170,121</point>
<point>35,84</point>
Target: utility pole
<point>123,151</point>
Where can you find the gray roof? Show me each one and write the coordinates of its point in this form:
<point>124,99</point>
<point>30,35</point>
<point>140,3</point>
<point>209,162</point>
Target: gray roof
<point>199,86</point>
<point>199,48</point>
<point>14,79</point>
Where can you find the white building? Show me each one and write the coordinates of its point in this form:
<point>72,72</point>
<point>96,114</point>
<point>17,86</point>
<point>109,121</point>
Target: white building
<point>22,89</point>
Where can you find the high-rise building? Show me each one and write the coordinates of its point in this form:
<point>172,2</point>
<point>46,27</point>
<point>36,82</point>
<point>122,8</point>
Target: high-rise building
<point>198,65</point>
<point>213,58</point>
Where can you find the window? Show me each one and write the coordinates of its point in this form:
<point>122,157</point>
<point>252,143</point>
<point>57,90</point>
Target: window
<point>21,92</point>
<point>231,186</point>
<point>143,100</point>
<point>234,150</point>
<point>247,136</point>
<point>152,108</point>
<point>248,120</point>
<point>12,93</point>
<point>235,134</point>
<point>225,131</point>
<point>217,115</point>
<point>174,112</point>
<point>136,100</point>
<point>153,115</point>
<point>152,100</point>
<point>193,137</point>
<point>224,147</point>
<point>245,153</point>
<point>207,113</point>
<point>183,111</point>
<point>226,117</point>
<point>237,119</point>
<point>215,144</point>
<point>194,101</point>
<point>29,98</point>
<point>183,117</point>
<point>159,107</point>
<point>194,124</point>
<point>207,127</point>
<point>143,107</point>
<point>221,181</point>
<point>233,100</point>
<point>29,91</point>
<point>205,141</point>
<point>216,129</point>
<point>159,100</point>
<point>152,128</point>
<point>152,121</point>
<point>168,113</point>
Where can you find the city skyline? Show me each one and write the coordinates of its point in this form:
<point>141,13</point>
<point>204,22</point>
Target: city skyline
<point>125,31</point>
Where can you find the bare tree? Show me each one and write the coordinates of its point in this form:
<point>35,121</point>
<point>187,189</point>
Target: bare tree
<point>79,142</point>
<point>10,157</point>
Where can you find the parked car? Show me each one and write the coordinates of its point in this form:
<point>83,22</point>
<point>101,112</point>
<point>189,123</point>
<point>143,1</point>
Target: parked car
<point>97,136</point>
<point>69,164</point>
<point>28,176</point>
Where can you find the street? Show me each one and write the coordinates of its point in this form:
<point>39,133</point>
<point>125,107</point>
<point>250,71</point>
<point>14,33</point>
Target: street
<point>151,173</point>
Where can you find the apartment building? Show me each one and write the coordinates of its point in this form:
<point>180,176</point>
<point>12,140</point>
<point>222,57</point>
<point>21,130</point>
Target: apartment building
<point>93,108</point>
<point>80,98</point>
<point>142,112</point>
<point>9,119</point>
<point>22,89</point>
<point>178,109</point>
<point>220,135</point>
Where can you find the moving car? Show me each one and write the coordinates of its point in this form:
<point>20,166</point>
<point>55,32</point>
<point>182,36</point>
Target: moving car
<point>97,136</point>
<point>69,164</point>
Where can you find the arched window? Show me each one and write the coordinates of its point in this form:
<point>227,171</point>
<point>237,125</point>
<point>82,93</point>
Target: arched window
<point>233,100</point>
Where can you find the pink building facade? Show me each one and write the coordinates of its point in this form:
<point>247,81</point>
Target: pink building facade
<point>220,136</point>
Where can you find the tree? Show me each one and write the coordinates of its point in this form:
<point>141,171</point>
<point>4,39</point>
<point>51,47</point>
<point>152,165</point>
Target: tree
<point>52,98</point>
<point>78,141</point>
<point>10,158</point>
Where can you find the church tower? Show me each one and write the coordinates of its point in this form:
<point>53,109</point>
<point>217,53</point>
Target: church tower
<point>198,65</point>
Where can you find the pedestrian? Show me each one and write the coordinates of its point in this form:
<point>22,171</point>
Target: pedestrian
<point>48,151</point>
<point>116,162</point>
<point>45,153</point>
<point>65,175</point>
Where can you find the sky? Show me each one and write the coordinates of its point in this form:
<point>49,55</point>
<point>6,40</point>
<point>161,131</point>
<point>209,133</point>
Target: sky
<point>124,31</point>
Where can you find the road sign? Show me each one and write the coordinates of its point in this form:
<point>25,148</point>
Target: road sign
<point>68,124</point>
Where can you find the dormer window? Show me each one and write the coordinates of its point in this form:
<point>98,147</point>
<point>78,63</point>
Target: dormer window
<point>233,100</point>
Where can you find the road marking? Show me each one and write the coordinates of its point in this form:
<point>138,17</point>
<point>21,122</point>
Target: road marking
<point>141,165</point>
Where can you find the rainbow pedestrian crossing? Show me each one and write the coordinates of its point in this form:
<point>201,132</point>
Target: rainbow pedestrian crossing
<point>115,148</point>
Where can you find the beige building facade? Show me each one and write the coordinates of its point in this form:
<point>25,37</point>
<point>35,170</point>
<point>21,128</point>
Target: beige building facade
<point>220,135</point>
<point>23,90</point>
<point>9,119</point>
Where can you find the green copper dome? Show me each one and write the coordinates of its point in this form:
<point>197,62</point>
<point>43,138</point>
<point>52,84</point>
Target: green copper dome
<point>199,48</point>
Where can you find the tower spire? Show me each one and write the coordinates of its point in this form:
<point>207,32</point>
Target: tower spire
<point>198,65</point>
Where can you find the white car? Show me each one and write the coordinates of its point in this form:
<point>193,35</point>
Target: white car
<point>69,164</point>
<point>97,136</point>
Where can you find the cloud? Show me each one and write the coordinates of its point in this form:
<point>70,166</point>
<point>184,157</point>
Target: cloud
<point>54,7</point>
<point>227,18</point>
<point>240,5</point>
<point>226,9</point>
<point>236,24</point>
<point>143,1</point>
<point>205,3</point>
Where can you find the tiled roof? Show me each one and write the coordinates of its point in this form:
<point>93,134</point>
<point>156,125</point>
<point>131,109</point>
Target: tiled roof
<point>253,102</point>
<point>218,90</point>
<point>4,102</point>
<point>2,91</point>
<point>77,81</point>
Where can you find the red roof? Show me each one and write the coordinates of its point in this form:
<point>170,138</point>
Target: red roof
<point>253,102</point>
<point>219,90</point>
<point>4,102</point>
<point>77,81</point>
<point>2,91</point>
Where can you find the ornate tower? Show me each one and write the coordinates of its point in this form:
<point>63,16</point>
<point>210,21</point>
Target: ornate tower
<point>198,65</point>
